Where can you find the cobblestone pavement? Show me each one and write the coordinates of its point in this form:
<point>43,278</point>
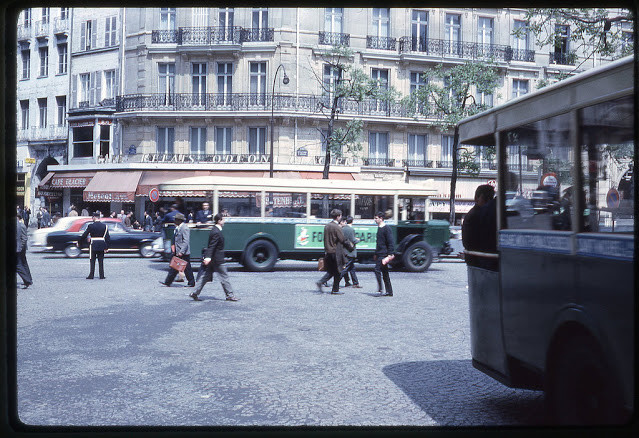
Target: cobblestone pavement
<point>128,351</point>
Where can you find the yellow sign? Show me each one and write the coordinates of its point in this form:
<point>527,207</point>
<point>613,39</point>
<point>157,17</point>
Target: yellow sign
<point>30,160</point>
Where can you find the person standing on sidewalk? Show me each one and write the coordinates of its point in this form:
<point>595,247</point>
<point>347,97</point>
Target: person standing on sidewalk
<point>22,267</point>
<point>384,252</point>
<point>213,261</point>
<point>350,255</point>
<point>182,249</point>
<point>334,243</point>
<point>98,238</point>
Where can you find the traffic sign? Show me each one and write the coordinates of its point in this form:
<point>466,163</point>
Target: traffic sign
<point>549,179</point>
<point>154,195</point>
<point>612,198</point>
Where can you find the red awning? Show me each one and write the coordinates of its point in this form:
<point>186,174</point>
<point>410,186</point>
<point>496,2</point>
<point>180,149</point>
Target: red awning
<point>114,186</point>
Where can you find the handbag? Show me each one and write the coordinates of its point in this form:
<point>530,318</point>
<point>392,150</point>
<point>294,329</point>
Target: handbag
<point>178,264</point>
<point>320,264</point>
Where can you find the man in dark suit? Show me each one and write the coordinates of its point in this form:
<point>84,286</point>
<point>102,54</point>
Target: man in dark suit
<point>181,248</point>
<point>214,262</point>
<point>22,267</point>
<point>334,242</point>
<point>203,215</point>
<point>384,252</point>
<point>98,240</point>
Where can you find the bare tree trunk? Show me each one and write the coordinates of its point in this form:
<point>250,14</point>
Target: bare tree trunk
<point>331,122</point>
<point>453,178</point>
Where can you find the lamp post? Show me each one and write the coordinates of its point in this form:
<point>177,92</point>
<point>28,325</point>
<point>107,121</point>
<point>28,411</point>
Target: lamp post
<point>285,81</point>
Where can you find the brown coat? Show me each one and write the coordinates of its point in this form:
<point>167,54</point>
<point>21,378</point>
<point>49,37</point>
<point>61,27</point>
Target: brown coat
<point>334,242</point>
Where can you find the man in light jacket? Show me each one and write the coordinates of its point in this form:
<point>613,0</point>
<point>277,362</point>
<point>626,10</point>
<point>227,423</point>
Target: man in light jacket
<point>22,267</point>
<point>182,249</point>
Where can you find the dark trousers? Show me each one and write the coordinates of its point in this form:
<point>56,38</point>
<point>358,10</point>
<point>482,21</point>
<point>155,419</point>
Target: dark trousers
<point>381,271</point>
<point>22,267</point>
<point>188,271</point>
<point>205,275</point>
<point>349,268</point>
<point>332,270</point>
<point>100,256</point>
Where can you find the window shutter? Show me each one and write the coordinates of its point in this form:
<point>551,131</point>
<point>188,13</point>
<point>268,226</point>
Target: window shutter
<point>107,32</point>
<point>83,36</point>
<point>94,29</point>
<point>92,89</point>
<point>74,91</point>
<point>98,86</point>
<point>116,84</point>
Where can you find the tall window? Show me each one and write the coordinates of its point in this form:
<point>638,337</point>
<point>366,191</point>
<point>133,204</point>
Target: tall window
<point>260,18</point>
<point>200,17</point>
<point>331,77</point>
<point>333,19</point>
<point>485,99</point>
<point>62,58</point>
<point>61,103</point>
<point>44,61</point>
<point>45,15</point>
<point>85,87</point>
<point>258,83</point>
<point>520,39</point>
<point>226,22</point>
<point>453,33</point>
<point>109,84</point>
<point>165,140</point>
<point>447,151</point>
<point>224,82</point>
<point>378,146</point>
<point>484,30</point>
<point>24,112</point>
<point>416,81</point>
<point>520,87</point>
<point>198,83</point>
<point>381,76</point>
<point>110,32</point>
<point>167,18</point>
<point>198,140</point>
<point>562,33</point>
<point>166,79</point>
<point>626,37</point>
<point>417,149</point>
<point>419,30</point>
<point>257,140</point>
<point>223,138</point>
<point>88,35</point>
<point>64,13</point>
<point>381,22</point>
<point>42,110</point>
<point>26,64</point>
<point>26,17</point>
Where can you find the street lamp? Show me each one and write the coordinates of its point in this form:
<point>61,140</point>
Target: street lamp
<point>285,81</point>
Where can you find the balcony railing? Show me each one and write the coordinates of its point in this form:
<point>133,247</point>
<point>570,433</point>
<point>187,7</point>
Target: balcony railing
<point>381,43</point>
<point>254,35</point>
<point>24,32</point>
<point>166,37</point>
<point>417,163</point>
<point>206,36</point>
<point>523,55</point>
<point>60,25</point>
<point>379,162</point>
<point>334,39</point>
<point>457,49</point>
<point>562,58</point>
<point>444,164</point>
<point>41,28</point>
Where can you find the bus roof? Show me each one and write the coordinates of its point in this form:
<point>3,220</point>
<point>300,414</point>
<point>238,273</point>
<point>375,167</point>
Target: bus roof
<point>605,82</point>
<point>297,185</point>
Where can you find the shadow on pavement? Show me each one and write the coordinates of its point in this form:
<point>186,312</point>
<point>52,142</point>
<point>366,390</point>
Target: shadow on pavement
<point>453,393</point>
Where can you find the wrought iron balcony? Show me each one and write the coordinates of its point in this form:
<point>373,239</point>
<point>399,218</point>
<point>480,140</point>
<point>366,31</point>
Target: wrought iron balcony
<point>417,163</point>
<point>562,58</point>
<point>24,32</point>
<point>165,37</point>
<point>444,164</point>
<point>379,162</point>
<point>381,43</point>
<point>41,28</point>
<point>457,49</point>
<point>334,39</point>
<point>253,35</point>
<point>207,36</point>
<point>522,55</point>
<point>60,25</point>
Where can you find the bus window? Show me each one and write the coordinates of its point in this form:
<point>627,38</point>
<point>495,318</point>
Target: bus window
<point>240,204</point>
<point>538,179</point>
<point>285,204</point>
<point>607,152</point>
<point>322,204</point>
<point>367,205</point>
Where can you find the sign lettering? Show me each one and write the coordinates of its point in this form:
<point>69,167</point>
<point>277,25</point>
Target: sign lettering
<point>312,236</point>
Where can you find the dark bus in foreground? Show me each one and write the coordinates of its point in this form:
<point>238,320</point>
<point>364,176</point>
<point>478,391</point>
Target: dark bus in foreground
<point>558,312</point>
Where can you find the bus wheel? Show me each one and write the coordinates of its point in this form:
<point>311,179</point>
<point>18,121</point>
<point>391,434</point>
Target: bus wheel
<point>418,257</point>
<point>260,255</point>
<point>579,388</point>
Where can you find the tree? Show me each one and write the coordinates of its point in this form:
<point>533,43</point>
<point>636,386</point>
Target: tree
<point>597,31</point>
<point>453,99</point>
<point>342,82</point>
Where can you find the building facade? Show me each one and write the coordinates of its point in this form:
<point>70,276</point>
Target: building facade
<point>160,93</point>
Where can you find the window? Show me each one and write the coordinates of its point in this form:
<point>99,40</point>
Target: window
<point>626,37</point>
<point>198,82</point>
<point>167,18</point>
<point>257,140</point>
<point>85,88</point>
<point>452,93</point>
<point>224,82</point>
<point>378,147</point>
<point>105,140</point>
<point>87,35</point>
<point>324,140</point>
<point>62,58</point>
<point>520,87</point>
<point>258,83</point>
<point>485,99</point>
<point>109,84</point>
<point>198,141</point>
<point>83,142</point>
<point>61,102</point>
<point>166,138</point>
<point>560,54</point>
<point>45,15</point>
<point>417,150</point>
<point>419,30</point>
<point>381,76</point>
<point>223,138</point>
<point>260,18</point>
<point>331,78</point>
<point>447,151</point>
<point>484,30</point>
<point>381,22</point>
<point>44,61</point>
<point>453,34</point>
<point>24,110</point>
<point>166,78</point>
<point>110,32</point>
<point>42,110</point>
<point>226,23</point>
<point>64,13</point>
<point>200,17</point>
<point>26,64</point>
<point>521,37</point>
<point>333,20</point>
<point>26,17</point>
<point>416,81</point>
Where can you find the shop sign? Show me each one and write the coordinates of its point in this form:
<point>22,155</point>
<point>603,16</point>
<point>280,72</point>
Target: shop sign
<point>442,206</point>
<point>107,196</point>
<point>82,124</point>
<point>70,181</point>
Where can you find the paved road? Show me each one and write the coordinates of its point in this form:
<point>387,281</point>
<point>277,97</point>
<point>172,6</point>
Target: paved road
<point>127,351</point>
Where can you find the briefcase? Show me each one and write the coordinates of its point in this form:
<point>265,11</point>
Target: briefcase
<point>178,264</point>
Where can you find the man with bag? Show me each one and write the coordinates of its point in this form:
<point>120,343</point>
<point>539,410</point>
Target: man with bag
<point>334,243</point>
<point>350,255</point>
<point>181,248</point>
<point>98,239</point>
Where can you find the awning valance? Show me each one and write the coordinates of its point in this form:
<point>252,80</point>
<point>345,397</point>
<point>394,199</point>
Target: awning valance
<point>70,179</point>
<point>112,186</point>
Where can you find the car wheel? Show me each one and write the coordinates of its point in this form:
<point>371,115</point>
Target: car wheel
<point>72,251</point>
<point>418,257</point>
<point>146,250</point>
<point>260,255</point>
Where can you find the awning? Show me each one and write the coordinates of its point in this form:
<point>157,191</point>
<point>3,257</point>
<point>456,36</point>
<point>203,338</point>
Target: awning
<point>113,186</point>
<point>153,178</point>
<point>70,179</point>
<point>45,181</point>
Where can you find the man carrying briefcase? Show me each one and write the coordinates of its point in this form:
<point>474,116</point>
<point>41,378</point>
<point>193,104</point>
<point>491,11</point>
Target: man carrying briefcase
<point>182,250</point>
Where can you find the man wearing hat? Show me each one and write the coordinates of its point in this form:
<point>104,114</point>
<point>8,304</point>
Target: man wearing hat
<point>98,239</point>
<point>182,249</point>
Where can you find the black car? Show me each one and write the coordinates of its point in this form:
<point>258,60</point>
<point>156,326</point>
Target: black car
<point>122,239</point>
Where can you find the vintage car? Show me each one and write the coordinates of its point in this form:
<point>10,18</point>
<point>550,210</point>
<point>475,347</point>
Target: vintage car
<point>39,236</point>
<point>123,239</point>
